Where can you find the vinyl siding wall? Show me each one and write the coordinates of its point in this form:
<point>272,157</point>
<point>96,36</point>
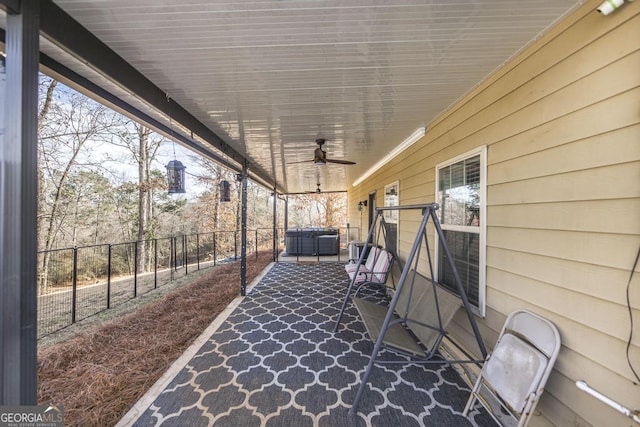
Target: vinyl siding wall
<point>561,122</point>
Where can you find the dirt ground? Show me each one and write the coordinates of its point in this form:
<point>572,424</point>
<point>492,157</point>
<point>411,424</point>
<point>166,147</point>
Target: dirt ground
<point>100,373</point>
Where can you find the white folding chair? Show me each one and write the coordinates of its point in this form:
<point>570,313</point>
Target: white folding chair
<point>517,370</point>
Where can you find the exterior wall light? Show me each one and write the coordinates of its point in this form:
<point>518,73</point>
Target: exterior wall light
<point>609,6</point>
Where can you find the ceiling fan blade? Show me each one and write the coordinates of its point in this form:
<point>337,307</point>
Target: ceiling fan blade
<point>340,162</point>
<point>320,157</point>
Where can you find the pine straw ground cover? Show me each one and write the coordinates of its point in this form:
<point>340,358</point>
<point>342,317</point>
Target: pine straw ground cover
<point>99,374</point>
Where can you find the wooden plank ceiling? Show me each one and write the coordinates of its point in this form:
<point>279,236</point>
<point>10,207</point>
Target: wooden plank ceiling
<point>270,77</point>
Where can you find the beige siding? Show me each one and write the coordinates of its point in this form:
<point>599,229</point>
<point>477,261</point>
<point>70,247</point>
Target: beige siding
<point>561,123</point>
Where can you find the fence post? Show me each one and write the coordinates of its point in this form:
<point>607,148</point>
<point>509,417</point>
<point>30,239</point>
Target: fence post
<point>175,254</point>
<point>74,285</point>
<point>235,245</point>
<point>198,250</point>
<point>135,269</point>
<point>109,276</point>
<point>256,243</point>
<point>215,249</point>
<point>171,255</point>
<point>185,252</point>
<point>155,263</point>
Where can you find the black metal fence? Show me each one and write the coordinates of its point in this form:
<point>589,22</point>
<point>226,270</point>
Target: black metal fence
<point>75,283</point>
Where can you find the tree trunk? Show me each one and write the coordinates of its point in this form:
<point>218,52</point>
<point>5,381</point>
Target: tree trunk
<point>150,249</point>
<point>143,193</point>
<point>43,274</point>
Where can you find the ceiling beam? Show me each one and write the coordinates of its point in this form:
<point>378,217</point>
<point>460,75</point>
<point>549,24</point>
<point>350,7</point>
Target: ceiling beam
<point>80,83</point>
<point>63,30</point>
<point>83,85</point>
<point>10,6</point>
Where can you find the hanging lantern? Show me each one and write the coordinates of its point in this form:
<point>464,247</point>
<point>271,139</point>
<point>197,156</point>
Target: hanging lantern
<point>175,177</point>
<point>225,191</point>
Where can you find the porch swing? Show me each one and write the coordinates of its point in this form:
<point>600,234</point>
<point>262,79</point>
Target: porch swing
<point>414,322</point>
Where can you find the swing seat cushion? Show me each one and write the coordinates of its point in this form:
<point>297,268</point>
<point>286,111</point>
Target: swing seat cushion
<point>418,308</point>
<point>397,336</point>
<point>378,273</point>
<point>368,266</point>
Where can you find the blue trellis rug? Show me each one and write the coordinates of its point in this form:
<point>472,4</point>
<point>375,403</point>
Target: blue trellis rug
<point>276,362</point>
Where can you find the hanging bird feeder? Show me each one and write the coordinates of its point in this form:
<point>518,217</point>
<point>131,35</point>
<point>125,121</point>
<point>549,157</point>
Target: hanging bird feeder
<point>175,177</point>
<point>225,191</point>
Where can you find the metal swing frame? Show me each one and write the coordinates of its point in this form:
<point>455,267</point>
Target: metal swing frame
<point>399,322</point>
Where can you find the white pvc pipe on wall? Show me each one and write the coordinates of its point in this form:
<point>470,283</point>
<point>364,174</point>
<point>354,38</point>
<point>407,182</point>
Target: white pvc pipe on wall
<point>615,405</point>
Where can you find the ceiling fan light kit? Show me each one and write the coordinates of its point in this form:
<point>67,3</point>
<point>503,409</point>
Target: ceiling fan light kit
<point>320,156</point>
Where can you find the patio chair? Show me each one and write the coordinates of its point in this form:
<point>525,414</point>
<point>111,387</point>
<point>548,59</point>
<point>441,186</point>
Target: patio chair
<point>515,374</point>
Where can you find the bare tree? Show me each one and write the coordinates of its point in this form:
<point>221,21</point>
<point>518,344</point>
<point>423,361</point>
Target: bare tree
<point>47,88</point>
<point>207,211</point>
<point>318,210</point>
<point>68,123</point>
<point>84,197</point>
<point>212,215</point>
<point>143,146</point>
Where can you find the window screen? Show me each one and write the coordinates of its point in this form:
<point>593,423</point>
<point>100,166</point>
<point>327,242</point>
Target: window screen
<point>459,192</point>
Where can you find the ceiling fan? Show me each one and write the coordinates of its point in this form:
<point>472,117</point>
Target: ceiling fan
<point>318,190</point>
<point>320,156</point>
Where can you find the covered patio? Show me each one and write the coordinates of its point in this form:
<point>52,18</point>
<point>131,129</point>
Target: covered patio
<point>521,116</point>
<point>273,360</point>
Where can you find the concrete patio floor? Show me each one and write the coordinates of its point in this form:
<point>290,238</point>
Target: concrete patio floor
<point>341,257</point>
<point>272,360</point>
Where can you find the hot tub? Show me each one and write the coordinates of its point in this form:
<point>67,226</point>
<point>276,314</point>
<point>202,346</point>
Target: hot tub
<point>312,241</point>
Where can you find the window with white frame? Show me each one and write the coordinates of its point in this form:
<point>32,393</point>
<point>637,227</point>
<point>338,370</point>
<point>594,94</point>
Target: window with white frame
<point>461,194</point>
<point>392,198</point>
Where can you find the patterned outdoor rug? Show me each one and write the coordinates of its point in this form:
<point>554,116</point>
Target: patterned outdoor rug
<point>276,362</point>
